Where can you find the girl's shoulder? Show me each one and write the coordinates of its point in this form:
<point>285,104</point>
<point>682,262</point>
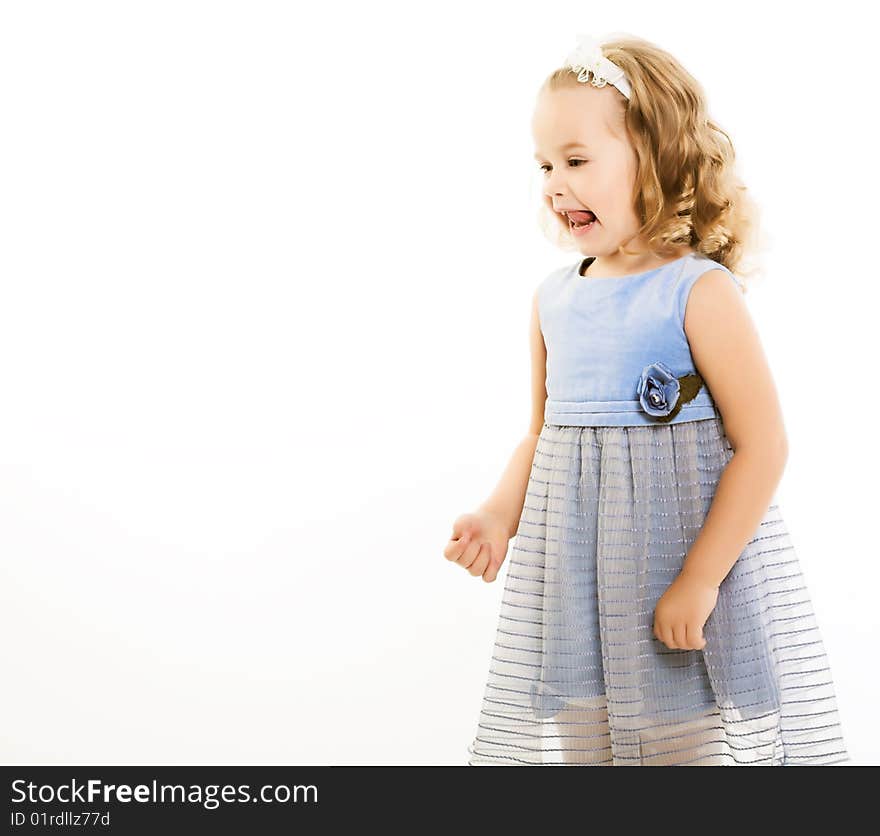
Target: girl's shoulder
<point>558,273</point>
<point>700,264</point>
<point>552,282</point>
<point>695,268</point>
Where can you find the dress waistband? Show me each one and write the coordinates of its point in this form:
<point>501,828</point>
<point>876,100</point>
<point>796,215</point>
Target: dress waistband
<point>623,413</point>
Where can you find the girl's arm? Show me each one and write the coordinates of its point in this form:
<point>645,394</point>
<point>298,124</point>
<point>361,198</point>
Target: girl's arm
<point>508,498</point>
<point>728,354</point>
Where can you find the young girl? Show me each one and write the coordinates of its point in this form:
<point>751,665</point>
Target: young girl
<point>654,610</point>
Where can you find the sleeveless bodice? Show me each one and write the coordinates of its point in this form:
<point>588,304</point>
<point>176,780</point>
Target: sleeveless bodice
<point>604,337</point>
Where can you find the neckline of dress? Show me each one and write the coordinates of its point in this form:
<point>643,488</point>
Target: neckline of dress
<point>580,263</point>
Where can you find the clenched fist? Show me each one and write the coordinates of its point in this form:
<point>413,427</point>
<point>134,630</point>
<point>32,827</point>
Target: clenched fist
<point>478,544</point>
<point>682,611</point>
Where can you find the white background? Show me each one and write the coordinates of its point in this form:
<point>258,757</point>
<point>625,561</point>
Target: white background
<point>266,275</point>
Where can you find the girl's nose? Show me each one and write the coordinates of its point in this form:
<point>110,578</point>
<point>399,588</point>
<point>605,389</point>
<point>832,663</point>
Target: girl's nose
<point>554,184</point>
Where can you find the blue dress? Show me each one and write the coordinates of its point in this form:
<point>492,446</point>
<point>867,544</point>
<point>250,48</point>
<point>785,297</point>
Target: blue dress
<point>623,476</point>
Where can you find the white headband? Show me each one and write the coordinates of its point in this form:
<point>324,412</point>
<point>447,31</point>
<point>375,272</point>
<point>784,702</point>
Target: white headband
<point>587,59</point>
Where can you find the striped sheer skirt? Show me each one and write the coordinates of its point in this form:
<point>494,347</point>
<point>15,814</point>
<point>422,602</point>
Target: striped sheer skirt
<point>576,675</point>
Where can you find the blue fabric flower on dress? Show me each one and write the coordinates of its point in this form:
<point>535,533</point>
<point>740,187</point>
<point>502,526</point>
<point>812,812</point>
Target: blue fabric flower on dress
<point>662,394</point>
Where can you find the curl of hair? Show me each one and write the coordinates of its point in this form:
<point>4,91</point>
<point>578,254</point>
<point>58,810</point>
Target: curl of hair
<point>687,191</point>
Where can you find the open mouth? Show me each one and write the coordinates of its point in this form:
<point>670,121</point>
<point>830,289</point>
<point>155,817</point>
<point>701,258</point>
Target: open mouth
<point>581,220</point>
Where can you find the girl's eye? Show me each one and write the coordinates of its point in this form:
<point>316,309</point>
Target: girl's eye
<point>544,167</point>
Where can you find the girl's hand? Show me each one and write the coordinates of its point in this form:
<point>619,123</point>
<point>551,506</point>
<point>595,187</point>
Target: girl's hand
<point>478,544</point>
<point>682,611</point>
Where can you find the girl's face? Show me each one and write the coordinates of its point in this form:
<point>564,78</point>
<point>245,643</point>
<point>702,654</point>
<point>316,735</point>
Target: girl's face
<point>587,164</point>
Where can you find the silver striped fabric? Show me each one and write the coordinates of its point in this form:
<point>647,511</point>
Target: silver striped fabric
<point>576,675</point>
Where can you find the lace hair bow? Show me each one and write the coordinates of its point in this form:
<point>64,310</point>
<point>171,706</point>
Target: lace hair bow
<point>587,59</point>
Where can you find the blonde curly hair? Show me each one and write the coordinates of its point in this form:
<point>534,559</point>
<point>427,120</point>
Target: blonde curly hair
<point>687,191</point>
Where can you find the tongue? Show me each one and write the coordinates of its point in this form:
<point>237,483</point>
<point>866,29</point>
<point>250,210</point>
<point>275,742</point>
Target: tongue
<point>582,217</point>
